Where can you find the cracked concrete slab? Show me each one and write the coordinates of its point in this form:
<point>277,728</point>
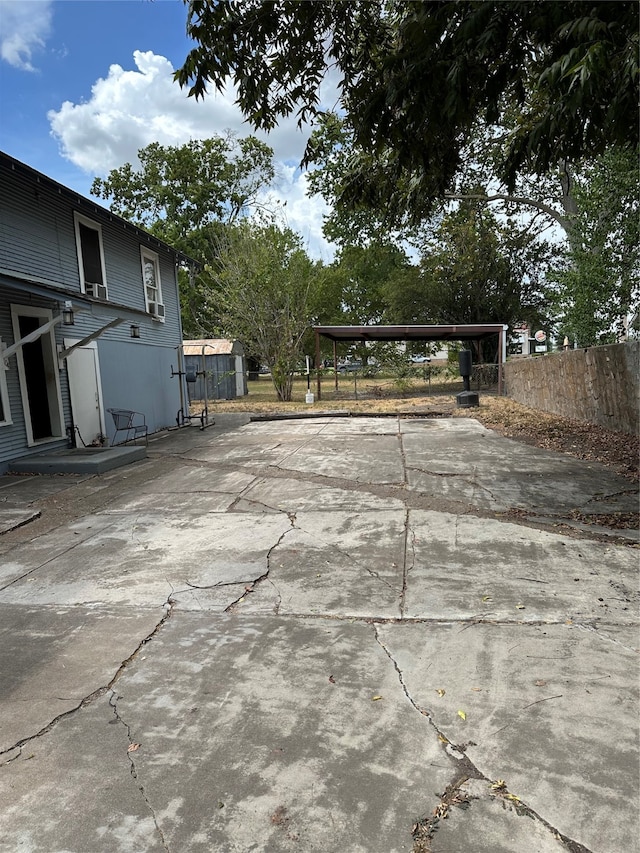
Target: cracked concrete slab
<point>350,457</point>
<point>321,635</point>
<point>275,733</point>
<point>506,572</point>
<point>336,563</point>
<point>51,658</point>
<point>288,495</point>
<point>15,516</point>
<point>145,558</point>
<point>488,823</point>
<point>48,805</point>
<point>194,481</point>
<point>330,455</point>
<point>41,550</point>
<point>492,472</point>
<point>533,701</point>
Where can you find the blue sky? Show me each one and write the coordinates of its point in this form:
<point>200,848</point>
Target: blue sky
<point>85,83</point>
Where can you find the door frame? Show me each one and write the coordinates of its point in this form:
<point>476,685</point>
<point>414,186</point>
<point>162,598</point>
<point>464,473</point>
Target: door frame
<point>54,394</point>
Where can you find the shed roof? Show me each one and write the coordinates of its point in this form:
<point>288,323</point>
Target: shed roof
<point>411,333</point>
<point>208,346</point>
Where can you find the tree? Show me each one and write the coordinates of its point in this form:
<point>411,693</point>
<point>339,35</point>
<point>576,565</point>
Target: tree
<point>362,276</point>
<point>179,189</point>
<point>266,291</point>
<point>597,292</point>
<point>475,270</point>
<point>417,77</point>
<point>186,195</point>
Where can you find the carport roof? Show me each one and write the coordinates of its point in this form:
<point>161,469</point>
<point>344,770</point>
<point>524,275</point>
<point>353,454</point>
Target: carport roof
<point>410,333</point>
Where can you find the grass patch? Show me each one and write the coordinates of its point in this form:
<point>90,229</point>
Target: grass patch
<point>355,393</point>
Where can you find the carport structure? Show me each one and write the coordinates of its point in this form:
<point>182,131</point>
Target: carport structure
<point>475,332</point>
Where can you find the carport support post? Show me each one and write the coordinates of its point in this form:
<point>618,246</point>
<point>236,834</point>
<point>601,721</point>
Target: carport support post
<point>502,336</point>
<point>318,381</point>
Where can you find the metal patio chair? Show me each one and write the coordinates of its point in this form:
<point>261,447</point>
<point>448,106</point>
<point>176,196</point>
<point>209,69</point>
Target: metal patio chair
<point>133,423</point>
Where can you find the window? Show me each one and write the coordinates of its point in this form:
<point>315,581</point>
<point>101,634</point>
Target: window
<point>5,411</point>
<point>93,280</point>
<point>152,285</point>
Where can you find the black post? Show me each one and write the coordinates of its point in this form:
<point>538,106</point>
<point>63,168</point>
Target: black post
<point>467,398</point>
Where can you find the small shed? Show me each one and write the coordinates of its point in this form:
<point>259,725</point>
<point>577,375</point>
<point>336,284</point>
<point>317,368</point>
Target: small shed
<point>216,369</point>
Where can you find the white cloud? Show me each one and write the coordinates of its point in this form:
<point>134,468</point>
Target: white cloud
<point>130,109</point>
<point>302,213</point>
<point>23,29</point>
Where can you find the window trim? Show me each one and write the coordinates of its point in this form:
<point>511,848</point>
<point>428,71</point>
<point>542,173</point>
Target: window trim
<point>5,416</point>
<point>148,254</point>
<point>79,219</point>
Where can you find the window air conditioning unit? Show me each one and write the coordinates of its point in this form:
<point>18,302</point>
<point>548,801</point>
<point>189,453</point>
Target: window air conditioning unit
<point>94,289</point>
<point>156,309</point>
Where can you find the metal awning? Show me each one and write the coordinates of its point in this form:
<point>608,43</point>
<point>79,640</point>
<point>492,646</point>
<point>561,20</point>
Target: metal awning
<point>411,333</point>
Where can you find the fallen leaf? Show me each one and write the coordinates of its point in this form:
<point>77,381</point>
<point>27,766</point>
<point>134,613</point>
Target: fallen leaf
<point>477,689</point>
<point>462,715</point>
<point>498,785</point>
<point>442,739</point>
<point>540,682</point>
<point>441,692</point>
<point>375,698</point>
<point>133,747</point>
<point>486,598</point>
<point>332,679</point>
<point>519,606</point>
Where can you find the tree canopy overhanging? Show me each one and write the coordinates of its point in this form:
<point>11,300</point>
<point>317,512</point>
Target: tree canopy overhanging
<point>416,77</point>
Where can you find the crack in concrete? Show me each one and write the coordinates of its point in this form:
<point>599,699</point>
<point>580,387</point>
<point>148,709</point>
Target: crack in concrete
<point>57,555</point>
<point>251,586</point>
<point>415,499</point>
<point>608,497</point>
<point>425,828</point>
<point>96,694</point>
<point>354,562</point>
<point>133,747</point>
<point>471,481</point>
<point>403,456</point>
<point>409,540</point>
<point>594,629</point>
<point>470,771</point>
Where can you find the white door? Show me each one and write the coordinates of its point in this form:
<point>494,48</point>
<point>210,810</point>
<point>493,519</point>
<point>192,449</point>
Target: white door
<point>84,389</point>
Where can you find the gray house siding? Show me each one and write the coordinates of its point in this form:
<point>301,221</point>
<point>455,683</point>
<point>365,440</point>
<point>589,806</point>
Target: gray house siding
<point>139,378</point>
<point>39,269</point>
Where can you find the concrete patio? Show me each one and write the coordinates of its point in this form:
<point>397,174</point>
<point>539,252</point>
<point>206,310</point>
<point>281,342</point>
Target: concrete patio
<point>348,635</point>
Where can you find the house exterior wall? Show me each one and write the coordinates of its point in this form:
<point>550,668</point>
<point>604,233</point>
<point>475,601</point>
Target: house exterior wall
<point>39,269</point>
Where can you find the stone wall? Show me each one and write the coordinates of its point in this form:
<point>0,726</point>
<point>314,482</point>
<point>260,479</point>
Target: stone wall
<point>599,385</point>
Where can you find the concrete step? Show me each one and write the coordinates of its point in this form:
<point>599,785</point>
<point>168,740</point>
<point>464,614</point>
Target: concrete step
<point>84,460</point>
